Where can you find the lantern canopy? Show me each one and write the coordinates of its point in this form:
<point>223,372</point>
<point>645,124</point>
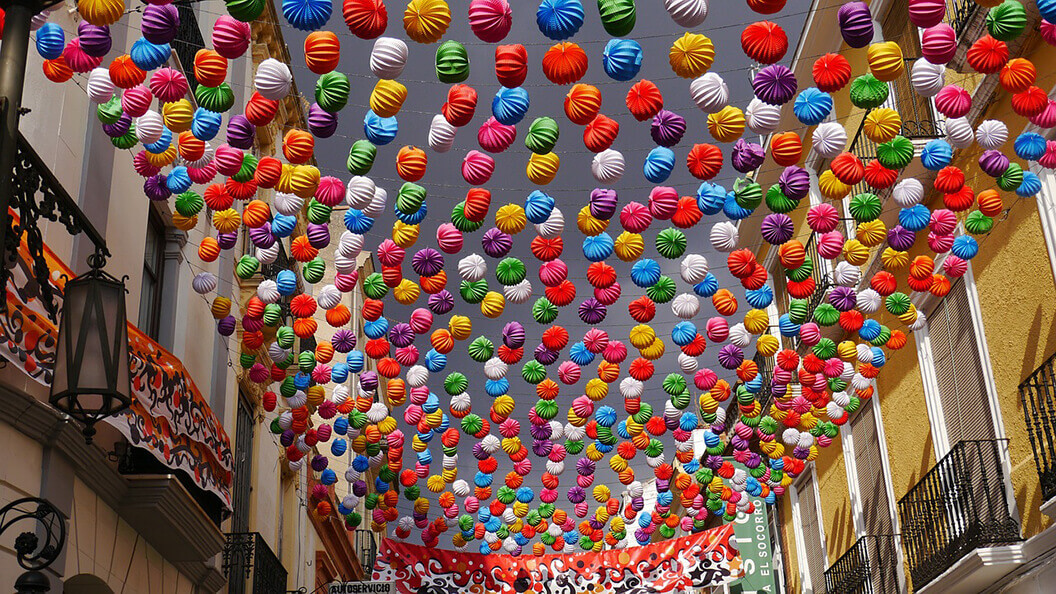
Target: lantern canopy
<point>91,375</point>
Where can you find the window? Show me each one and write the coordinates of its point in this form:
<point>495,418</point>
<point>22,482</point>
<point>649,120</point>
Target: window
<point>812,553</point>
<point>243,469</point>
<point>153,272</point>
<point>958,369</point>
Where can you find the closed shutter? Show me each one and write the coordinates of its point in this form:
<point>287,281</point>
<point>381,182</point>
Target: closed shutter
<point>810,524</point>
<point>876,507</point>
<point>959,370</point>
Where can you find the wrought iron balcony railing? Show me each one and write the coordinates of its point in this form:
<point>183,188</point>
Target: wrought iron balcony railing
<point>958,506</point>
<point>868,567</point>
<point>251,566</point>
<point>959,14</point>
<point>367,551</point>
<point>1038,395</point>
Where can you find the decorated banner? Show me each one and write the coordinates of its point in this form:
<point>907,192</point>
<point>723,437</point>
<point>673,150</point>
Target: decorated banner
<point>701,560</point>
<point>168,416</point>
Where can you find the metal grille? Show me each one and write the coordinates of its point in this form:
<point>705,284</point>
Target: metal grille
<point>248,560</point>
<point>868,567</point>
<point>1039,412</point>
<point>958,506</point>
<point>243,470</point>
<point>959,13</point>
<point>766,372</point>
<point>810,525</point>
<point>188,40</point>
<point>958,368</point>
<point>367,549</point>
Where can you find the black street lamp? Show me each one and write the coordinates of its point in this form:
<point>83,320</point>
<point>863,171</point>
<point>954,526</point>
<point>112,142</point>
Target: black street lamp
<point>91,375</point>
<point>35,550</point>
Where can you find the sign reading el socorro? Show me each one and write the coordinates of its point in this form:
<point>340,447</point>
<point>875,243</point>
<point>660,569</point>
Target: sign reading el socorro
<point>361,588</point>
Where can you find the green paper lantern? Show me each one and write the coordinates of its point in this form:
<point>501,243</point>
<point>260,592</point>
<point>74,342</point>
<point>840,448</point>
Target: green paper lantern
<point>248,168</point>
<point>410,198</point>
<point>681,401</point>
<point>219,99</point>
<point>189,204</point>
<point>313,270</point>
<point>663,291</point>
<point>747,193</point>
<point>109,112</point>
<point>127,140</point>
<point>977,223</point>
<point>533,372</point>
<point>542,135</point>
<point>573,446</point>
<point>674,383</point>
<point>481,349</point>
<point>452,62</point>
<point>510,271</point>
<point>246,11</point>
<point>331,91</point>
<point>865,207</point>
<point>776,200</point>
<point>306,361</point>
<point>882,338</point>
<point>617,16</point>
<point>459,220</point>
<point>546,409</point>
<point>671,243</point>
<point>1007,20</point>
<point>472,424</point>
<point>272,314</point>
<point>803,272</point>
<point>455,383</point>
<point>826,315</point>
<point>1011,179</point>
<point>544,311</point>
<point>473,291</point>
<point>798,310</point>
<point>825,349</point>
<point>318,212</point>
<point>867,92</point>
<point>897,303</point>
<point>247,266</point>
<point>896,153</point>
<point>246,360</point>
<point>374,286</point>
<point>361,157</point>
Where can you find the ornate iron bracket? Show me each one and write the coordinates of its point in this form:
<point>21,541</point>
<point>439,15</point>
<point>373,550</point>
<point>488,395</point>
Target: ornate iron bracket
<point>37,195</point>
<point>32,554</point>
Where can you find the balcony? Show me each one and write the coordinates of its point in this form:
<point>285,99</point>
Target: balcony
<point>958,508</point>
<point>1037,393</point>
<point>188,40</point>
<point>959,14</point>
<point>869,566</point>
<point>251,566</point>
<point>366,551</point>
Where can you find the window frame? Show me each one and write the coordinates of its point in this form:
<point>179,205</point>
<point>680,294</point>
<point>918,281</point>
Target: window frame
<point>805,577</point>
<point>155,228</point>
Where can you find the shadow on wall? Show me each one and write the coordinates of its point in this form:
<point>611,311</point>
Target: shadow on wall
<point>842,532</point>
<point>85,584</point>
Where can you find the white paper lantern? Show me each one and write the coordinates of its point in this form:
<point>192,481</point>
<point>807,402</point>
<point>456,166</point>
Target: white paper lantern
<point>328,297</point>
<point>149,127</point>
<point>388,57</point>
<point>829,139</point>
<point>269,254</point>
<point>268,290</point>
<point>360,192</point>
<point>991,134</point>
<point>959,133</point>
<point>553,225</point>
<point>685,305</point>
<point>472,268</point>
<point>287,204</point>
<point>441,134</point>
<point>607,166</point>
<point>204,282</point>
<point>273,79</point>
<point>908,192</point>
<point>687,13</point>
<point>724,236</point>
<point>519,293</point>
<point>694,268</point>
<point>927,79</point>
<point>763,118</point>
<point>350,244</point>
<point>100,87</point>
<point>709,92</point>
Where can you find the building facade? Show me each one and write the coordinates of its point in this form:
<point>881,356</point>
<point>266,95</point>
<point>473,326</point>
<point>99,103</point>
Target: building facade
<point>942,480</point>
<point>189,492</point>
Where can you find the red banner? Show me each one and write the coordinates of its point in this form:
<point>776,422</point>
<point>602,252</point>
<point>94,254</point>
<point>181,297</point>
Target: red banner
<point>168,417</point>
<point>697,561</point>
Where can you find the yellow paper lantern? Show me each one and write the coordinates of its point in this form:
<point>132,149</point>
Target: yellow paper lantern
<point>406,292</point>
<point>882,124</point>
<point>756,321</point>
<point>691,55</point>
<point>871,233</point>
<point>178,115</point>
<point>589,224</point>
<point>404,235</point>
<point>886,61</point>
<point>425,21</point>
<point>510,218</point>
<point>727,124</point>
<point>493,304</point>
<point>629,246</point>
<point>831,187</point>
<point>460,327</point>
<point>387,97</point>
<point>542,168</point>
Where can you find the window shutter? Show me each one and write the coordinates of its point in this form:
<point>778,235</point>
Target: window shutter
<point>811,527</point>
<point>872,491</point>
<point>959,370</point>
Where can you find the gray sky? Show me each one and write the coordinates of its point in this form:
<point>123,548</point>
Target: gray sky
<point>655,31</point>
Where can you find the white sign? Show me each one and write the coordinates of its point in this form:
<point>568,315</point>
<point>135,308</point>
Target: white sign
<point>362,588</point>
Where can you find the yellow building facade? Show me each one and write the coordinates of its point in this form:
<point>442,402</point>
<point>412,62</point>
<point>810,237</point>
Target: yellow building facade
<point>939,481</point>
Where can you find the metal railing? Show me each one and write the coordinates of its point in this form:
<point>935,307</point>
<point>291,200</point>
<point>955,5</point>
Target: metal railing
<point>766,374</point>
<point>959,14</point>
<point>188,40</point>
<point>249,561</point>
<point>1038,395</point>
<point>869,566</point>
<point>367,550</point>
<point>958,506</point>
